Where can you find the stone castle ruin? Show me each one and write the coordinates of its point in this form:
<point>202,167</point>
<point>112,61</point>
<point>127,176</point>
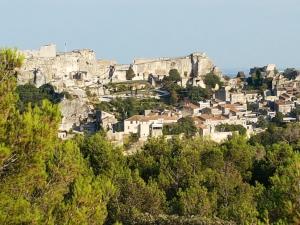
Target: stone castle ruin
<point>78,68</point>
<point>81,69</point>
<point>77,71</point>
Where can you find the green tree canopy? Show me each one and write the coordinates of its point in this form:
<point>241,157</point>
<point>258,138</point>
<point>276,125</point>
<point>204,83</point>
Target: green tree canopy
<point>211,80</point>
<point>43,180</point>
<point>184,125</point>
<point>278,119</point>
<point>28,93</point>
<point>196,94</point>
<point>174,75</point>
<point>231,127</point>
<point>130,74</point>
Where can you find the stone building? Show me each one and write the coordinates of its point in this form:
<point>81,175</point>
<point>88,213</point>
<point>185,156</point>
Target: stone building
<point>284,107</point>
<point>148,125</point>
<point>190,109</point>
<point>207,123</point>
<point>229,95</point>
<point>107,121</point>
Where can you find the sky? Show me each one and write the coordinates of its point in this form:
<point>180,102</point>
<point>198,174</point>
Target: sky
<point>235,34</point>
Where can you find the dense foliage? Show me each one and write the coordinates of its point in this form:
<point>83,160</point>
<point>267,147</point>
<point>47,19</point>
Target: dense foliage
<point>130,74</point>
<point>196,94</point>
<point>295,112</point>
<point>174,76</point>
<point>231,127</point>
<point>42,179</point>
<point>211,80</point>
<point>87,180</point>
<point>184,126</point>
<point>258,82</point>
<point>28,93</point>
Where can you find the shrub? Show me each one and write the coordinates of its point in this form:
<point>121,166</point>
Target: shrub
<point>130,74</point>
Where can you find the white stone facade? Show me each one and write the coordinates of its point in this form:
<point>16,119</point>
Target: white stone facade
<point>148,125</point>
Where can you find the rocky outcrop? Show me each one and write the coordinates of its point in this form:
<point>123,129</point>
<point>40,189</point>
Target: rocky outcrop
<point>63,70</point>
<point>191,66</point>
<point>72,112</point>
<point>77,115</point>
<point>81,69</point>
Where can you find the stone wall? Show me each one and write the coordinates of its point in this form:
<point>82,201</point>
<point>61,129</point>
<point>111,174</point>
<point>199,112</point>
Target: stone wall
<point>46,51</point>
<point>77,68</point>
<point>194,65</point>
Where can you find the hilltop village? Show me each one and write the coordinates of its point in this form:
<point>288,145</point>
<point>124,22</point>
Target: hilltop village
<point>164,96</point>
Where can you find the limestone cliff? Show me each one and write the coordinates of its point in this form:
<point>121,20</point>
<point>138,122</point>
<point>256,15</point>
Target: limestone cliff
<point>81,69</point>
<point>78,71</point>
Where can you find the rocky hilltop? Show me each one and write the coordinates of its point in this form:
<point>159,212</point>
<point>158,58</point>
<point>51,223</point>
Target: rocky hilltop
<point>81,68</point>
<point>80,74</point>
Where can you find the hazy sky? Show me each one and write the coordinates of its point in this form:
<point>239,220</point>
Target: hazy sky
<point>234,33</point>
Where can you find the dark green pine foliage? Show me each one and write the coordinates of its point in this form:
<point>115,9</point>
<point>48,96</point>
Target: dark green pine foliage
<point>28,93</point>
<point>42,179</point>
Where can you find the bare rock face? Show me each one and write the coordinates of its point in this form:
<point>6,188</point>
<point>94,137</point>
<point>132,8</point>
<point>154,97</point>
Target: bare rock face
<point>73,113</point>
<point>80,68</point>
<point>195,65</point>
<point>77,68</point>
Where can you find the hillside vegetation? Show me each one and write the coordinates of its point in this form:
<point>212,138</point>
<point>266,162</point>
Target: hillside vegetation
<point>87,180</point>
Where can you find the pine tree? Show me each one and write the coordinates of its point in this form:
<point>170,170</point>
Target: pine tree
<point>43,180</point>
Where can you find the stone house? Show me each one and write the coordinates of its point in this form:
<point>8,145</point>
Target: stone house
<point>286,97</point>
<point>211,121</point>
<point>107,120</point>
<point>149,125</point>
<point>206,125</point>
<point>223,94</point>
<point>284,107</point>
<point>228,94</point>
<point>212,110</point>
<point>251,96</point>
<point>237,109</point>
<point>204,104</point>
<point>279,91</point>
<point>237,97</point>
<point>190,109</point>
